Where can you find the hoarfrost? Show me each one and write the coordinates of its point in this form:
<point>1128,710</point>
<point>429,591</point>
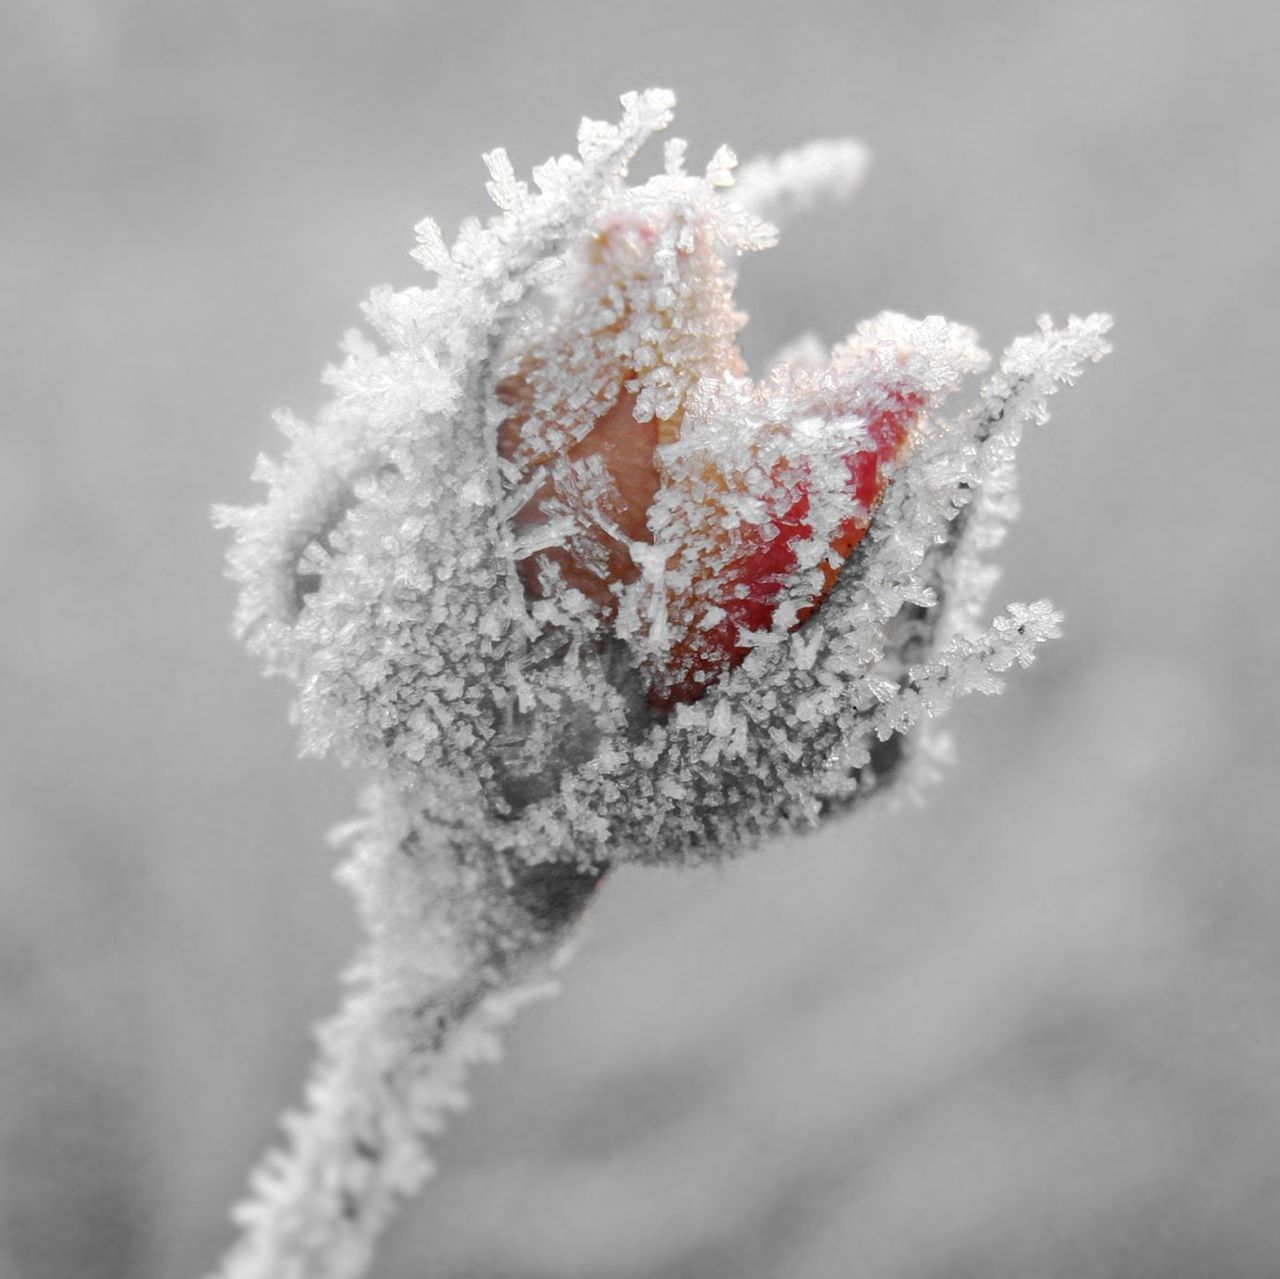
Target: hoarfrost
<point>575,590</point>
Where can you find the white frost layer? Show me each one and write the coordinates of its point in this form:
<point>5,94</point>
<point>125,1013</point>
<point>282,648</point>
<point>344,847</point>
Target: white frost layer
<point>508,728</point>
<point>381,571</point>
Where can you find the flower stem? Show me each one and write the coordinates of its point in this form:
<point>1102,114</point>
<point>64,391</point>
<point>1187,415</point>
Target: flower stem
<point>462,939</point>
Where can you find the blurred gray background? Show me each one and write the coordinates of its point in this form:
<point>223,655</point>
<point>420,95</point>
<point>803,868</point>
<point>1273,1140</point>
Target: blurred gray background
<point>1032,1030</point>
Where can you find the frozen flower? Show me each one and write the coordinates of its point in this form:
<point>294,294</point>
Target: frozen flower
<point>576,590</point>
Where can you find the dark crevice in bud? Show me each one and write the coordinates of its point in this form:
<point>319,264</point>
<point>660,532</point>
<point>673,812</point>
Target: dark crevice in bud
<point>554,894</point>
<point>532,750</point>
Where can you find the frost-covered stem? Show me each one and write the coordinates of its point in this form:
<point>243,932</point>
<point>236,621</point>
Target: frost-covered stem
<point>460,939</point>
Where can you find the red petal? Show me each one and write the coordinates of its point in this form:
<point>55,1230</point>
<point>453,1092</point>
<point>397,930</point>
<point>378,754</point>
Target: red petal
<point>754,582</point>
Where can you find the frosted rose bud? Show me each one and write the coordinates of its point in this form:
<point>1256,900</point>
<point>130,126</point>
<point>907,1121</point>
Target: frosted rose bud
<point>727,542</point>
<point>555,558</point>
<point>575,589</point>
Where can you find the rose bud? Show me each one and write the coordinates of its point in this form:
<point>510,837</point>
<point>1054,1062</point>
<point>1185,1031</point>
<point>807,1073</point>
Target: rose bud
<point>575,590</point>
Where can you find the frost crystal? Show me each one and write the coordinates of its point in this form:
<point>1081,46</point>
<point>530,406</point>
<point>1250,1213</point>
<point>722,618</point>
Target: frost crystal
<point>577,591</point>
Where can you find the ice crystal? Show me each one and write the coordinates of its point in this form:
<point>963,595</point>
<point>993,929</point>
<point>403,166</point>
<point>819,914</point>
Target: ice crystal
<point>575,590</point>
